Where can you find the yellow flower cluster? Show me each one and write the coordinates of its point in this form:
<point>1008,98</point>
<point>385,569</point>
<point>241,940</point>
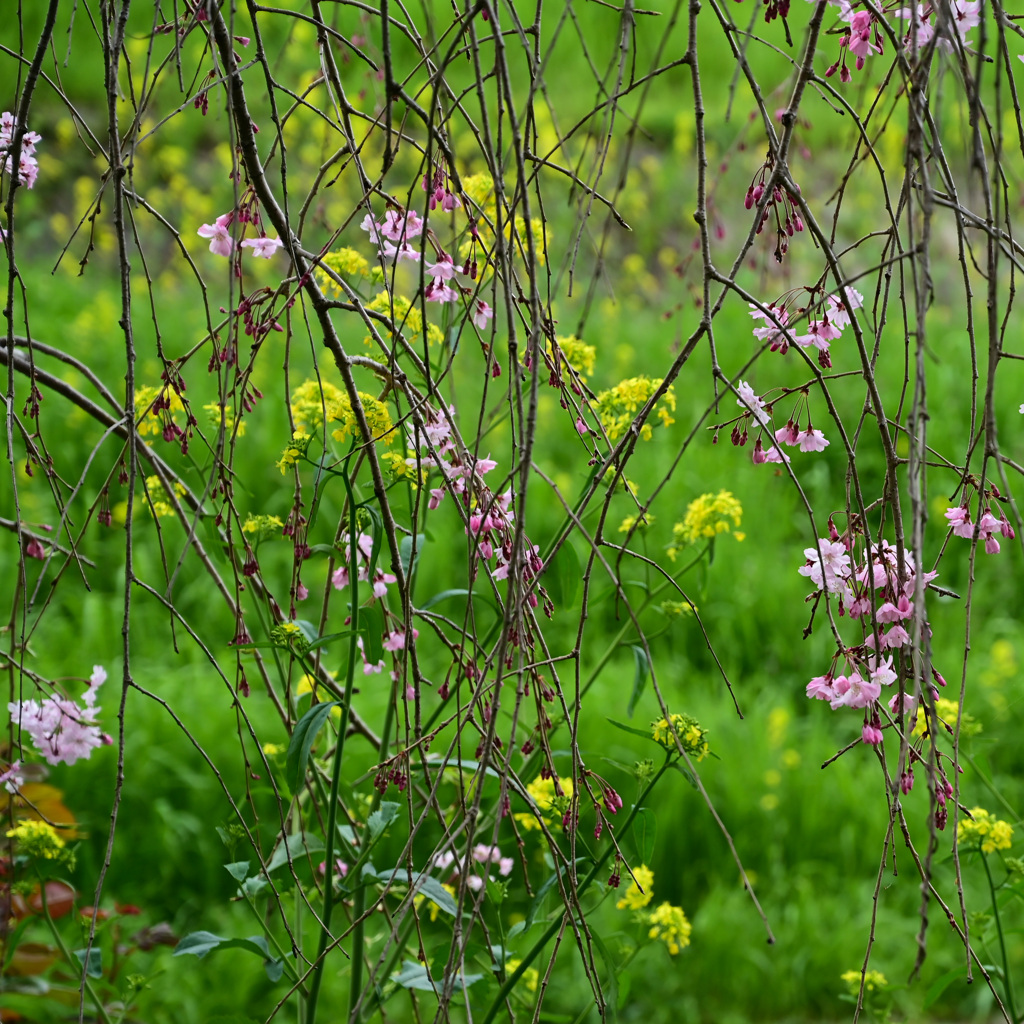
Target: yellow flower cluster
<point>579,355</point>
<point>670,924</point>
<point>680,608</point>
<point>289,636</point>
<point>345,263</point>
<point>149,422</point>
<point>159,504</point>
<point>629,522</point>
<point>293,451</point>
<point>399,468</point>
<point>993,833</point>
<point>707,517</point>
<point>548,802</point>
<point>37,839</point>
<point>219,417</point>
<point>529,977</point>
<point>640,891</point>
<point>405,317</point>
<point>315,402</point>
<point>262,527</point>
<point>666,922</point>
<point>689,731</point>
<point>872,980</point>
<point>948,711</point>
<point>617,406</point>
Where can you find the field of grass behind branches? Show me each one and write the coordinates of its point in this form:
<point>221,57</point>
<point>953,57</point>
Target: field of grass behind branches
<point>810,838</point>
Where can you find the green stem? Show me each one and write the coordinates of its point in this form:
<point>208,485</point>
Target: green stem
<point>73,962</point>
<point>1007,981</point>
<point>552,929</point>
<point>339,748</point>
<point>359,899</point>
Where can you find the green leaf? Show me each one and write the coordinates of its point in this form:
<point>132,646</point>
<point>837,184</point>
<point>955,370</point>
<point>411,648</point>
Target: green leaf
<point>443,596</point>
<point>562,575</point>
<point>406,554</point>
<point>371,618</point>
<point>415,975</point>
<point>517,929</point>
<point>645,733</point>
<point>937,987</point>
<point>686,774</point>
<point>201,943</point>
<point>426,885</point>
<point>640,672</point>
<point>496,891</point>
<point>238,871</point>
<point>306,729</point>
<point>381,818</point>
<point>323,641</point>
<point>298,845</point>
<point>252,887</point>
<point>440,761</point>
<point>94,968</point>
<point>645,831</point>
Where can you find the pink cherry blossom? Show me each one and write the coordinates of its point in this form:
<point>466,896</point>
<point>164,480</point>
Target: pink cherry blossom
<point>221,242</point>
<point>820,688</point>
<point>750,401</point>
<point>871,734</point>
<point>854,692</point>
<point>443,270</point>
<point>262,247</point>
<point>827,566</point>
<point>812,440</point>
<point>62,730</point>
<point>482,313</point>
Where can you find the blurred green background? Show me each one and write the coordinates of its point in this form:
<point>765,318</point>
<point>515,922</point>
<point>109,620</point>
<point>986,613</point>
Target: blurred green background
<point>810,838</point>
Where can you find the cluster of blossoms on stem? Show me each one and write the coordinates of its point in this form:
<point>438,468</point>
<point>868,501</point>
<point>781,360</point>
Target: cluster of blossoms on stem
<point>28,166</point>
<point>988,525</point>
<point>481,854</point>
<point>62,730</point>
<point>222,242</point>
<point>875,591</point>
<point>925,22</point>
<point>807,440</point>
<point>398,237</point>
<point>781,205</point>
<point>491,521</point>
<point>821,329</point>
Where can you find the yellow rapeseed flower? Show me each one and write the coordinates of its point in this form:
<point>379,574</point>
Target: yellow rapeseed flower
<point>689,731</point>
<point>294,450</point>
<point>640,891</point>
<point>617,406</point>
<point>160,505</point>
<point>262,527</point>
<point>529,977</point>
<point>37,839</point>
<point>993,833</point>
<point>579,355</point>
<point>150,423</point>
<point>669,924</point>
<point>872,980</point>
<point>345,263</point>
<point>549,803</point>
<point>317,402</point>
<point>707,517</point>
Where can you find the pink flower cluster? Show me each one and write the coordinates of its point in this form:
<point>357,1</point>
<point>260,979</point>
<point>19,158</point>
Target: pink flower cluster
<point>821,331</point>
<point>28,166</point>
<point>398,236</point>
<point>481,854</point>
<point>223,244</point>
<point>491,520</point>
<point>808,439</point>
<point>988,526</point>
<point>364,551</point>
<point>874,591</point>
<point>865,35</point>
<point>62,730</point>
